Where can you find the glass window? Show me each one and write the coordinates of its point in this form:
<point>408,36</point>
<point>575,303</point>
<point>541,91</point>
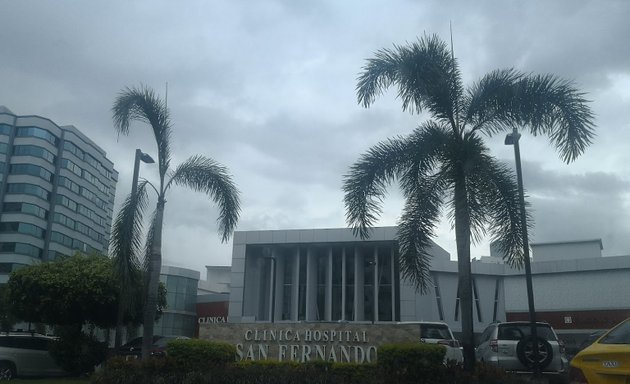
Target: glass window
<point>26,228</point>
<point>322,272</point>
<point>31,209</point>
<point>69,184</point>
<point>35,151</point>
<point>21,248</point>
<point>4,147</point>
<point>70,147</point>
<point>31,169</point>
<point>619,335</point>
<point>349,288</point>
<point>5,129</point>
<point>28,189</point>
<point>66,202</point>
<point>37,132</point>
<point>72,167</point>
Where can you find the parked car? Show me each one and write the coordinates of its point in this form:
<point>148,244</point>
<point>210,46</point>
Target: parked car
<point>510,346</point>
<point>133,348</point>
<point>26,354</point>
<point>440,333</point>
<point>607,360</point>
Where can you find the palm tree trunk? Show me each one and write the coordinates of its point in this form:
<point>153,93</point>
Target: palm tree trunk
<point>462,238</point>
<point>155,265</point>
<point>119,319</point>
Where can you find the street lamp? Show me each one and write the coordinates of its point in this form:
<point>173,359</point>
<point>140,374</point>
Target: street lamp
<point>134,189</point>
<point>136,167</point>
<point>512,139</point>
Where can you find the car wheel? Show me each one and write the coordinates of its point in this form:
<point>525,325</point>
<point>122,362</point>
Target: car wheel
<point>7,371</point>
<point>525,352</point>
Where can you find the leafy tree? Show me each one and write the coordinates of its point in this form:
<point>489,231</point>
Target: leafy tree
<point>444,163</point>
<point>198,173</point>
<point>74,291</point>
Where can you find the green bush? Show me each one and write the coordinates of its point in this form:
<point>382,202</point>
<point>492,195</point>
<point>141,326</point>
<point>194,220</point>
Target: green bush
<point>199,355</point>
<point>411,363</point>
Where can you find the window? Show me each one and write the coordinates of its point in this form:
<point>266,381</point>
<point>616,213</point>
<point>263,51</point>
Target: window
<point>72,167</point>
<point>4,147</point>
<point>35,151</point>
<point>28,189</point>
<point>31,169</point>
<point>349,309</point>
<point>31,209</point>
<point>26,228</point>
<point>37,132</point>
<point>70,147</point>
<point>21,248</point>
<point>5,129</point>
<point>66,202</point>
<point>69,184</point>
<point>63,219</point>
<point>438,297</point>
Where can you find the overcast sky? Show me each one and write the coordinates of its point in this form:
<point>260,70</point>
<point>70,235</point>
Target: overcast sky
<point>268,89</point>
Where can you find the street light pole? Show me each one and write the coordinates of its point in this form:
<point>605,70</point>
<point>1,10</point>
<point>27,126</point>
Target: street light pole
<point>134,190</point>
<point>136,168</point>
<point>513,139</point>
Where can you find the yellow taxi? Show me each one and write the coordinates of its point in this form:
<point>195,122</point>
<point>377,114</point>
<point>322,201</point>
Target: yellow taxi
<point>607,360</point>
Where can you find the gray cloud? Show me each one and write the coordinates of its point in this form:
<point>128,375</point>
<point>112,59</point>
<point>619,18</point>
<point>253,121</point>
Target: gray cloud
<point>268,89</point>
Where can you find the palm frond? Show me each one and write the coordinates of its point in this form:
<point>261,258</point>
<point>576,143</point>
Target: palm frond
<point>488,102</point>
<point>205,175</point>
<point>546,104</point>
<point>126,237</point>
<point>144,105</point>
<point>366,184</point>
<point>554,107</point>
<point>426,74</point>
<point>416,226</point>
<point>498,193</point>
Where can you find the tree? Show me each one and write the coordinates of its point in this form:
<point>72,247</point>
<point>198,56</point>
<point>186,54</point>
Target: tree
<point>199,173</point>
<point>444,163</point>
<point>74,291</point>
<point>126,245</point>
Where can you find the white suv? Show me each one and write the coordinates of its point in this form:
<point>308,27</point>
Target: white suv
<point>26,354</point>
<point>510,346</point>
<point>440,333</point>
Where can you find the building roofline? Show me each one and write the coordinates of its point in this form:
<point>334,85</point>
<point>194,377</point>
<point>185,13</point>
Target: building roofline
<point>601,245</point>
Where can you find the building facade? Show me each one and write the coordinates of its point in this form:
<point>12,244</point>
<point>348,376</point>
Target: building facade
<point>329,275</point>
<point>179,318</point>
<point>57,191</point>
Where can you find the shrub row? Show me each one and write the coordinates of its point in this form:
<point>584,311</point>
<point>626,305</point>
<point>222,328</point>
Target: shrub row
<point>203,362</point>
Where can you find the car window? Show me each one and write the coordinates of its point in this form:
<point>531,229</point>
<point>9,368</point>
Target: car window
<point>434,331</point>
<point>25,342</point>
<point>485,336</point>
<point>619,335</point>
<point>519,331</point>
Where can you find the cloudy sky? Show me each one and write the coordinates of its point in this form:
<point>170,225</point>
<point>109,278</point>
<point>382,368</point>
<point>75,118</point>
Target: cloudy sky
<point>268,89</point>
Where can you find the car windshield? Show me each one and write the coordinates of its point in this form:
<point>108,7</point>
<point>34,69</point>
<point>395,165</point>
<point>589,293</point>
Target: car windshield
<point>519,331</point>
<point>619,335</point>
<point>434,331</point>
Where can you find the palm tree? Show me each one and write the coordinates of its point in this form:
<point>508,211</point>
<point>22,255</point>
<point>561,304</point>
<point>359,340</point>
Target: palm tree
<point>199,173</point>
<point>126,245</point>
<point>444,163</point>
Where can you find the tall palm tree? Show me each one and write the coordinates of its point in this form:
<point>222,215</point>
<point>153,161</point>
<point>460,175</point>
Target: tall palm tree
<point>444,163</point>
<point>199,173</point>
